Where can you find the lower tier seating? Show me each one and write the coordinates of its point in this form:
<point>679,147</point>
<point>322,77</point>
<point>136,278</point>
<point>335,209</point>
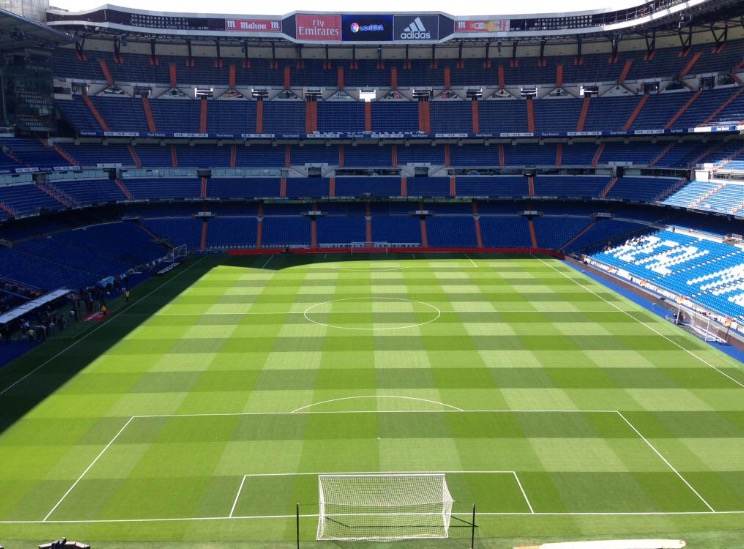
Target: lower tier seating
<point>709,272</point>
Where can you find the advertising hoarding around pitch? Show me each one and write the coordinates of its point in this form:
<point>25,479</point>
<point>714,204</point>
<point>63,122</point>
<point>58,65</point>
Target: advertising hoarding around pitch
<point>367,28</point>
<point>253,25</point>
<point>416,28</point>
<point>318,28</point>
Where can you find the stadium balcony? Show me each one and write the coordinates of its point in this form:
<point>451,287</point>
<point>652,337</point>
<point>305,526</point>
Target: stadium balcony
<point>660,155</point>
<point>677,111</point>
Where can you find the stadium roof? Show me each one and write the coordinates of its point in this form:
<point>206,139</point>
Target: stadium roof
<point>397,27</point>
<point>17,32</point>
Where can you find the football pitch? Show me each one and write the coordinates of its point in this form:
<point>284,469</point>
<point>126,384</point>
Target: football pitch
<point>204,411</point>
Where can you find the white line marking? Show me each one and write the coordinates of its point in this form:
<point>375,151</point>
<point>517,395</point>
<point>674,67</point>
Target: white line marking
<point>315,515</point>
<point>91,332</point>
<point>338,473</point>
<point>739,383</point>
<point>446,411</point>
<point>88,468</point>
<point>473,263</point>
<point>267,261</point>
<point>524,494</point>
<point>666,461</point>
<point>374,328</point>
<point>377,396</point>
<point>237,496</point>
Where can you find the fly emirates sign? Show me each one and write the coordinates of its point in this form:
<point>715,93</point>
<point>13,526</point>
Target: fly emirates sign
<point>318,28</point>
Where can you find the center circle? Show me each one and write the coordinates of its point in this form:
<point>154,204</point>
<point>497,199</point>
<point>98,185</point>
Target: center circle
<point>372,314</point>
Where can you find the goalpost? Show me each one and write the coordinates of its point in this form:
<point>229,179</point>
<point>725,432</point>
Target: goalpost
<point>706,327</point>
<point>385,506</point>
<point>177,253</point>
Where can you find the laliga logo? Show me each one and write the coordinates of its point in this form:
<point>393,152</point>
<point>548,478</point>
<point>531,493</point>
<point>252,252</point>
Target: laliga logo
<point>355,27</point>
<point>415,31</point>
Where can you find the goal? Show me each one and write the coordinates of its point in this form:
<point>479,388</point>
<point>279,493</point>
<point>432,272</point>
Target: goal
<point>177,253</point>
<point>705,326</point>
<point>384,506</point>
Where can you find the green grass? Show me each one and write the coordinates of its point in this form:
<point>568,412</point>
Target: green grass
<point>532,386</point>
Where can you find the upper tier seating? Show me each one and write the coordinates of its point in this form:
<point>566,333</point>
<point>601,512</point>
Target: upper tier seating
<point>136,68</point>
<point>707,272</point>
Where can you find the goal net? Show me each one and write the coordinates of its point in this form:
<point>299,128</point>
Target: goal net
<point>386,506</point>
<point>177,253</point>
<point>706,327</point>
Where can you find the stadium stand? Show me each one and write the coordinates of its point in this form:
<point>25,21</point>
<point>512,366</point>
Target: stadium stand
<point>706,271</point>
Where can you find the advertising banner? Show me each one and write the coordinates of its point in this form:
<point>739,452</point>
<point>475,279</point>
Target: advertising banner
<point>253,25</point>
<point>483,25</point>
<point>416,28</point>
<point>367,28</point>
<point>318,28</point>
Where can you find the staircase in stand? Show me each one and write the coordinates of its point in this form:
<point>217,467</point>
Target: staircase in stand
<point>707,152</point>
<point>531,127</point>
<point>634,115</point>
<point>533,234</point>
<point>151,126</point>
<point>608,187</point>
<point>63,198</point>
<point>666,193</point>
<point>204,236</point>
<point>124,189</point>
<point>583,114</point>
<point>203,115</point>
<point>135,157</point>
<point>578,235</point>
<point>683,109</point>
<point>96,114</point>
<point>730,158</point>
<point>723,106</point>
<point>661,155</point>
<point>476,222</point>
<point>368,224</point>
<point>598,155</point>
<point>10,212</point>
<point>424,233</point>
<point>689,65</point>
<point>233,156</point>
<point>203,188</point>
<point>63,153</point>
<point>259,226</point>
<point>704,197</point>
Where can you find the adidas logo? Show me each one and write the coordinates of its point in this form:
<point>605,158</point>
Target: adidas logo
<point>415,31</point>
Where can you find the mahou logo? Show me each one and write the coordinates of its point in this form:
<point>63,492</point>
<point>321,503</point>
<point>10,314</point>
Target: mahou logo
<point>415,31</point>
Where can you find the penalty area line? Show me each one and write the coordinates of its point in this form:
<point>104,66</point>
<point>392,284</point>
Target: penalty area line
<point>666,462</point>
<point>237,497</point>
<point>88,468</point>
